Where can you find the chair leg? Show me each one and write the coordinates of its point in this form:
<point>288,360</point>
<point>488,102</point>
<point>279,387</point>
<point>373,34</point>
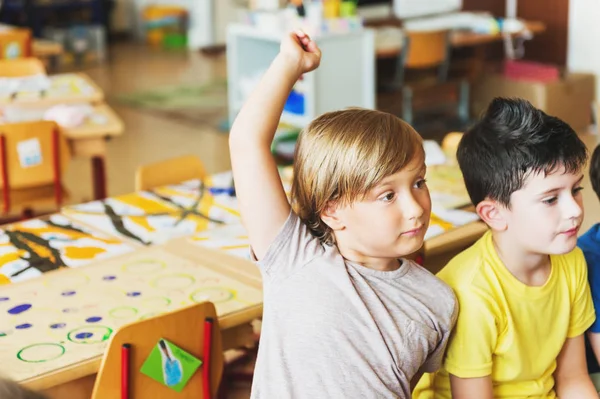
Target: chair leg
<point>463,101</point>
<point>407,105</point>
<point>27,214</point>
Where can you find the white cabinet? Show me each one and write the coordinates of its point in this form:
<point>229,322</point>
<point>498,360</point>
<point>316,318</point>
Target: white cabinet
<point>345,78</point>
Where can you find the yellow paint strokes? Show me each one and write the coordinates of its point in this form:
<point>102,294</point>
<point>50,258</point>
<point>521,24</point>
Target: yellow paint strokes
<point>228,209</point>
<point>146,204</point>
<point>10,257</point>
<point>242,237</point>
<point>41,251</point>
<point>72,234</point>
<point>83,252</point>
<point>4,280</point>
<point>204,207</point>
<point>200,238</point>
<point>170,192</point>
<point>226,247</point>
<point>143,222</point>
<point>440,222</point>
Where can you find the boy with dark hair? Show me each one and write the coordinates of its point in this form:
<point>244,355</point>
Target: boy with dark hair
<point>524,299</point>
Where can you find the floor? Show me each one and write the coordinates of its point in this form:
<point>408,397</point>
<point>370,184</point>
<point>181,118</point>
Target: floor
<point>148,138</point>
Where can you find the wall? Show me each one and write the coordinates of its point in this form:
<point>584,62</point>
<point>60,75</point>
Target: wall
<point>584,38</point>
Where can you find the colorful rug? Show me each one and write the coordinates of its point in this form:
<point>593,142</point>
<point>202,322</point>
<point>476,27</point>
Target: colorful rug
<point>195,105</point>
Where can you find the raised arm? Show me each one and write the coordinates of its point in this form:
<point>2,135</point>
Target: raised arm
<point>263,204</point>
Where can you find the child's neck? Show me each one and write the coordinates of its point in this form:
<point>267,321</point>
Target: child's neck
<point>531,269</point>
<point>381,264</point>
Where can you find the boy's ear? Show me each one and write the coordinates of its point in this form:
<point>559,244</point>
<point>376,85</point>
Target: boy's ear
<point>331,216</point>
<point>490,212</point>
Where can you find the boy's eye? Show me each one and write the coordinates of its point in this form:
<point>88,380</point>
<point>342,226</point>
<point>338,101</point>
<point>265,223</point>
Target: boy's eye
<point>387,197</point>
<point>421,183</point>
<point>576,190</point>
<point>550,201</point>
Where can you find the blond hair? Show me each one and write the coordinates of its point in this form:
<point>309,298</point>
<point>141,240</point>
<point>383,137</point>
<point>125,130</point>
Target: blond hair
<point>341,155</point>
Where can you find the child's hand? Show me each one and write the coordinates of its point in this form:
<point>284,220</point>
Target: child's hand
<point>301,52</point>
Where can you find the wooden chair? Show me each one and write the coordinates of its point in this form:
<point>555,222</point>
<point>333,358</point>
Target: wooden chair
<point>450,145</point>
<point>171,171</point>
<point>17,67</point>
<point>16,43</point>
<point>33,158</point>
<point>184,328</point>
<point>424,52</point>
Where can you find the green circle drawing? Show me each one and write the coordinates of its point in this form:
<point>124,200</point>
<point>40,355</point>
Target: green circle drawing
<point>173,281</point>
<point>39,348</point>
<point>91,334</point>
<point>212,294</point>
<point>144,266</point>
<point>123,312</point>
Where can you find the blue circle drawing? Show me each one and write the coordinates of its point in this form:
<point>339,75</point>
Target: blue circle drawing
<point>23,326</point>
<point>109,278</point>
<point>94,319</point>
<point>68,293</point>
<point>90,334</point>
<point>3,298</point>
<point>134,293</point>
<point>58,325</point>
<point>20,308</point>
<point>84,335</point>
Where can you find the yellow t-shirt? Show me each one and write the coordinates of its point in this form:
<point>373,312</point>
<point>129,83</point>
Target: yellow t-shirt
<point>507,329</point>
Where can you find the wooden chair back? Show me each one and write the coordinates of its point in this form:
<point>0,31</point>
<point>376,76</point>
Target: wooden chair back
<point>184,328</point>
<point>170,171</point>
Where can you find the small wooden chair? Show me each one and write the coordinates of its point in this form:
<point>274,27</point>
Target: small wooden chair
<point>17,67</point>
<point>423,52</point>
<point>170,171</point>
<point>450,145</point>
<point>16,43</point>
<point>184,328</point>
<point>33,158</point>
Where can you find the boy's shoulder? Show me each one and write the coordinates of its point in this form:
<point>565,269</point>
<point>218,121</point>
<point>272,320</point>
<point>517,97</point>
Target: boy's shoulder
<point>435,292</point>
<point>429,282</point>
<point>469,265</point>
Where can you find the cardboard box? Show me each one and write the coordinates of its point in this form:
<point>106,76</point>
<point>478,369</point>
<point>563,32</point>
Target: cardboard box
<point>569,98</point>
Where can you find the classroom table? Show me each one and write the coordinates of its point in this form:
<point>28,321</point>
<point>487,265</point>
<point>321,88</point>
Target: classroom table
<point>89,139</point>
<point>65,88</point>
<point>72,278</point>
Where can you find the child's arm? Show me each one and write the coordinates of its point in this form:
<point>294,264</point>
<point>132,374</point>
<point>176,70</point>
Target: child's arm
<point>571,375</point>
<point>263,204</point>
<point>594,338</point>
<point>471,388</point>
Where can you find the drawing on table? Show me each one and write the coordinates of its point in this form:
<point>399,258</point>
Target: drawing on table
<point>66,317</point>
<point>33,247</point>
<point>151,217</point>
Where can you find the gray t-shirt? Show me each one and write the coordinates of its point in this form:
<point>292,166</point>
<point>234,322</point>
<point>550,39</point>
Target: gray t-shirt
<point>335,329</point>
